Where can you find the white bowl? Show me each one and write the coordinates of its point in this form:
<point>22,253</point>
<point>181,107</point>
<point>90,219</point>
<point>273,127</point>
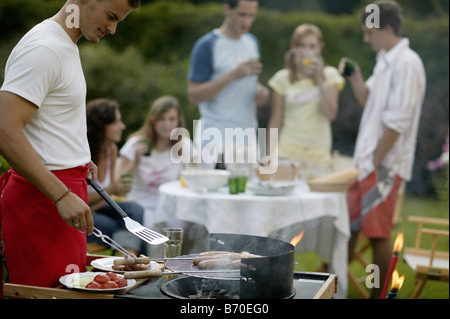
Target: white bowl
<point>209,179</point>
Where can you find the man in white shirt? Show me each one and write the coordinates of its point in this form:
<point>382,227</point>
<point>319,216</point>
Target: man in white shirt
<point>385,148</point>
<point>43,138</point>
<point>223,75</point>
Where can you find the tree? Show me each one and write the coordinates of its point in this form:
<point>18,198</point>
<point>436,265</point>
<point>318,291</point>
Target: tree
<point>340,6</point>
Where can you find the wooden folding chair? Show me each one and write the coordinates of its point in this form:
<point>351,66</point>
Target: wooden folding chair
<point>357,282</point>
<point>428,264</point>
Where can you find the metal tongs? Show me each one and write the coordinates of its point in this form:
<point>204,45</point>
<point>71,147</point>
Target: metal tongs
<point>110,242</point>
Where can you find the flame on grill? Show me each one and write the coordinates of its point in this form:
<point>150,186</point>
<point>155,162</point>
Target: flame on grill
<point>297,238</point>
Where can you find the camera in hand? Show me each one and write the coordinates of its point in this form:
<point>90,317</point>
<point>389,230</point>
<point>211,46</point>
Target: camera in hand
<point>349,67</point>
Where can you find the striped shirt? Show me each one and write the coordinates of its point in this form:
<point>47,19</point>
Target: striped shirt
<point>396,93</point>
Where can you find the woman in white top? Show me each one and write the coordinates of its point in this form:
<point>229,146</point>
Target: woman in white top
<point>147,155</point>
<point>104,130</point>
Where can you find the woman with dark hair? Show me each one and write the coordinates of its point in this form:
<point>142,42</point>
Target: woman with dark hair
<point>104,129</point>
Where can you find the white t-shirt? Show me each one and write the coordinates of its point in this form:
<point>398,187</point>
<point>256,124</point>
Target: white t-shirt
<point>45,69</point>
<point>396,92</point>
<point>152,171</point>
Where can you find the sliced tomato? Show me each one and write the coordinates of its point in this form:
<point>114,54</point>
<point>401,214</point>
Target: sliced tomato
<point>93,285</point>
<point>110,285</point>
<point>121,281</point>
<point>111,275</point>
<point>101,279</point>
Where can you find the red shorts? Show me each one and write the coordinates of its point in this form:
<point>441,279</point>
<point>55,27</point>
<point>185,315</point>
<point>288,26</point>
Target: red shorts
<point>370,212</point>
<point>40,246</point>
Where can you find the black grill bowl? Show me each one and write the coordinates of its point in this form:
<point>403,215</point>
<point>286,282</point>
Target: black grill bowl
<point>269,277</point>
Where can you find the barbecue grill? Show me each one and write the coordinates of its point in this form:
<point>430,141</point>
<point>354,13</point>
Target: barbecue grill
<point>271,276</point>
<point>268,277</point>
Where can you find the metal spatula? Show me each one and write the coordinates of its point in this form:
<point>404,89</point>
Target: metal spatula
<point>147,235</point>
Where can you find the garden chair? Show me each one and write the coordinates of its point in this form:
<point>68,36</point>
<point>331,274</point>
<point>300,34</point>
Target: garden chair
<point>428,264</point>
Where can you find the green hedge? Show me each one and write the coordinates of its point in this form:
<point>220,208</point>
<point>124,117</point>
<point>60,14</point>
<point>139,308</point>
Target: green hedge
<point>149,57</point>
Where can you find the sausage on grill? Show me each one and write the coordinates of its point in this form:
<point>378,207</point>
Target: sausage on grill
<point>215,264</point>
<point>229,256</point>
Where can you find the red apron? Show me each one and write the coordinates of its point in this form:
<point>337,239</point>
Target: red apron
<point>39,245</point>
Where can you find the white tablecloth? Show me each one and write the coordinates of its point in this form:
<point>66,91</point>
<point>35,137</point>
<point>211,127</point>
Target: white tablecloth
<point>323,216</point>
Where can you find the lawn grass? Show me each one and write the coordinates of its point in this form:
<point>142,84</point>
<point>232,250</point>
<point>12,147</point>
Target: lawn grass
<point>413,205</point>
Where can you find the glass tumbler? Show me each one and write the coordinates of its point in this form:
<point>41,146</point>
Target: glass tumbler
<point>172,248</point>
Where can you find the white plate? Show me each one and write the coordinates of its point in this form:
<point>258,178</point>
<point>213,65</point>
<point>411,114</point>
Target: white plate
<point>274,188</point>
<point>80,280</point>
<point>107,263</point>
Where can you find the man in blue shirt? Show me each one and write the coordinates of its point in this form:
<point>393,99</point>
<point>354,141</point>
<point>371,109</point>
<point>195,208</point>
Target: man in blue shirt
<point>223,75</point>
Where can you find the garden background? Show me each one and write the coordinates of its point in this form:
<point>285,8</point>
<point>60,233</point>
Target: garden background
<point>149,57</point>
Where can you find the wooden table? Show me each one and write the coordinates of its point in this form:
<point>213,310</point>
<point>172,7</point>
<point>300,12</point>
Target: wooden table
<point>60,292</point>
<point>327,290</point>
<point>314,286</point>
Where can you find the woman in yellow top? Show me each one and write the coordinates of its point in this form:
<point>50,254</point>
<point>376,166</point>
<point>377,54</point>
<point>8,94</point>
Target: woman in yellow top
<point>305,101</point>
